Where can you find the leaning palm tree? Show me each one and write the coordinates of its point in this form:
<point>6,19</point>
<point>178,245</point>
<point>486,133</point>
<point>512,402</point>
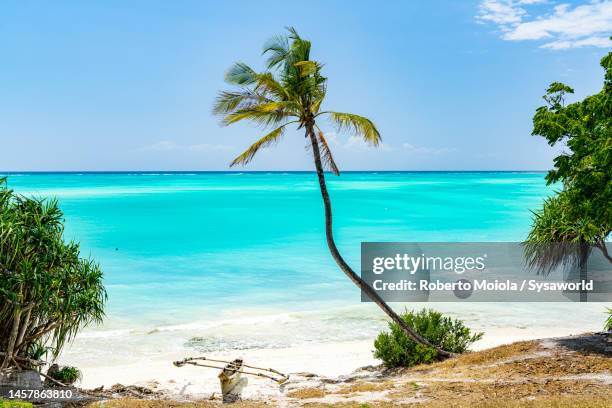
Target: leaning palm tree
<point>294,96</point>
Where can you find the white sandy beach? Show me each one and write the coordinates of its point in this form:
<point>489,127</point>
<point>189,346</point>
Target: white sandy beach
<point>145,358</point>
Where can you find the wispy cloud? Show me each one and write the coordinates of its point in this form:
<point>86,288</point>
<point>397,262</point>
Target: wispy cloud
<point>353,143</point>
<point>357,143</point>
<point>561,26</point>
<point>169,146</point>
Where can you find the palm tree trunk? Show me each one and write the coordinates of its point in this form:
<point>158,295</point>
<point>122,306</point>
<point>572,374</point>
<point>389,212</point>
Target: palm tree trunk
<point>367,289</point>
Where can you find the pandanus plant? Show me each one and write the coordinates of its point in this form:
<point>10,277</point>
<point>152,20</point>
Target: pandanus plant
<point>47,292</point>
<point>292,92</point>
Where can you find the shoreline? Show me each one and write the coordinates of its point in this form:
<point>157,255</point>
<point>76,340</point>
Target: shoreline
<point>333,360</point>
<point>567,371</point>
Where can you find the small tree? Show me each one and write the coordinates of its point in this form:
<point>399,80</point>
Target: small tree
<point>579,217</point>
<point>47,292</point>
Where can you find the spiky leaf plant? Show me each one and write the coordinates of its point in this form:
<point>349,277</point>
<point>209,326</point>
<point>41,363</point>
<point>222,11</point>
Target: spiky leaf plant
<point>47,291</point>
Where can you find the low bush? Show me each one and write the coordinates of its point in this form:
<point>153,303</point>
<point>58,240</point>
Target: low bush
<point>68,375</point>
<point>396,349</point>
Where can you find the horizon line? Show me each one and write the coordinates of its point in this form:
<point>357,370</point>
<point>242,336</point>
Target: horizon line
<point>14,172</point>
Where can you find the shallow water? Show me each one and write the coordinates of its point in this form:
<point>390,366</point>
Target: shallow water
<point>192,260</point>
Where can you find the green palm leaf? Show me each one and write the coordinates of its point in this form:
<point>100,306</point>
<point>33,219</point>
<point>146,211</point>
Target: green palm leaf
<point>265,141</point>
<point>240,74</point>
<point>267,84</point>
<point>278,49</point>
<point>265,114</point>
<point>228,102</point>
<point>356,124</point>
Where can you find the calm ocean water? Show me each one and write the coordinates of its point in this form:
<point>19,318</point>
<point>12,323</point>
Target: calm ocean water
<point>181,250</point>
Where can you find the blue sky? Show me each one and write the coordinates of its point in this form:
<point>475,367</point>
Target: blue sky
<point>129,85</point>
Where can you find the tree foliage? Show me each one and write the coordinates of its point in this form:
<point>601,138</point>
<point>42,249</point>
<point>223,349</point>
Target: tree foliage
<point>396,349</point>
<point>291,91</point>
<point>47,291</point>
<point>581,212</point>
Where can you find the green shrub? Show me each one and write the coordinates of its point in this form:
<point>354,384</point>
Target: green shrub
<point>608,323</point>
<point>36,351</point>
<point>396,349</point>
<point>68,375</point>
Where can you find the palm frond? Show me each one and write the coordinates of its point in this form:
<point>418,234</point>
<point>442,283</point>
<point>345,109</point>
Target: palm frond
<point>293,34</point>
<point>357,125</point>
<point>227,101</point>
<point>267,84</point>
<point>326,155</point>
<point>264,114</point>
<point>300,51</point>
<point>277,48</point>
<point>315,106</point>
<point>306,68</point>
<point>285,51</point>
<point>265,141</point>
<point>240,74</point>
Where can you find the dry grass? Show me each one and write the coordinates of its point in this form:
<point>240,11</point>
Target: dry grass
<point>139,403</point>
<point>473,392</point>
<point>378,404</point>
<point>565,401</point>
<point>537,402</point>
<point>307,393</point>
<point>556,365</point>
<point>492,355</point>
<point>365,387</point>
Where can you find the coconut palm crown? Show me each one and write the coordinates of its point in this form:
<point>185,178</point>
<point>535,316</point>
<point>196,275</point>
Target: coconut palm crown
<point>293,96</point>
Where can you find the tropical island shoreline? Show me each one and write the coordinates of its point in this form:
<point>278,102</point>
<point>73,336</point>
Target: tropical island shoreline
<point>552,371</point>
<point>266,289</point>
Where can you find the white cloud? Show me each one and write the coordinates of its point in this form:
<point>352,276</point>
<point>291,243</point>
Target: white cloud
<point>500,12</point>
<point>601,42</point>
<point>562,27</point>
<point>356,142</point>
<point>169,146</point>
<point>353,142</point>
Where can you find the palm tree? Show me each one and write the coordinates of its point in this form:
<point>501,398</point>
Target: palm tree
<point>294,96</point>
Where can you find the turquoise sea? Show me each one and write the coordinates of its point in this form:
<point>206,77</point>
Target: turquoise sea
<point>181,251</point>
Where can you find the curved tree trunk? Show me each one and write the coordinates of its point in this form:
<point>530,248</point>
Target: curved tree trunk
<point>367,289</point>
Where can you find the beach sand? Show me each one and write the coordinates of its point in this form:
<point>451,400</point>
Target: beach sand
<point>332,359</point>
